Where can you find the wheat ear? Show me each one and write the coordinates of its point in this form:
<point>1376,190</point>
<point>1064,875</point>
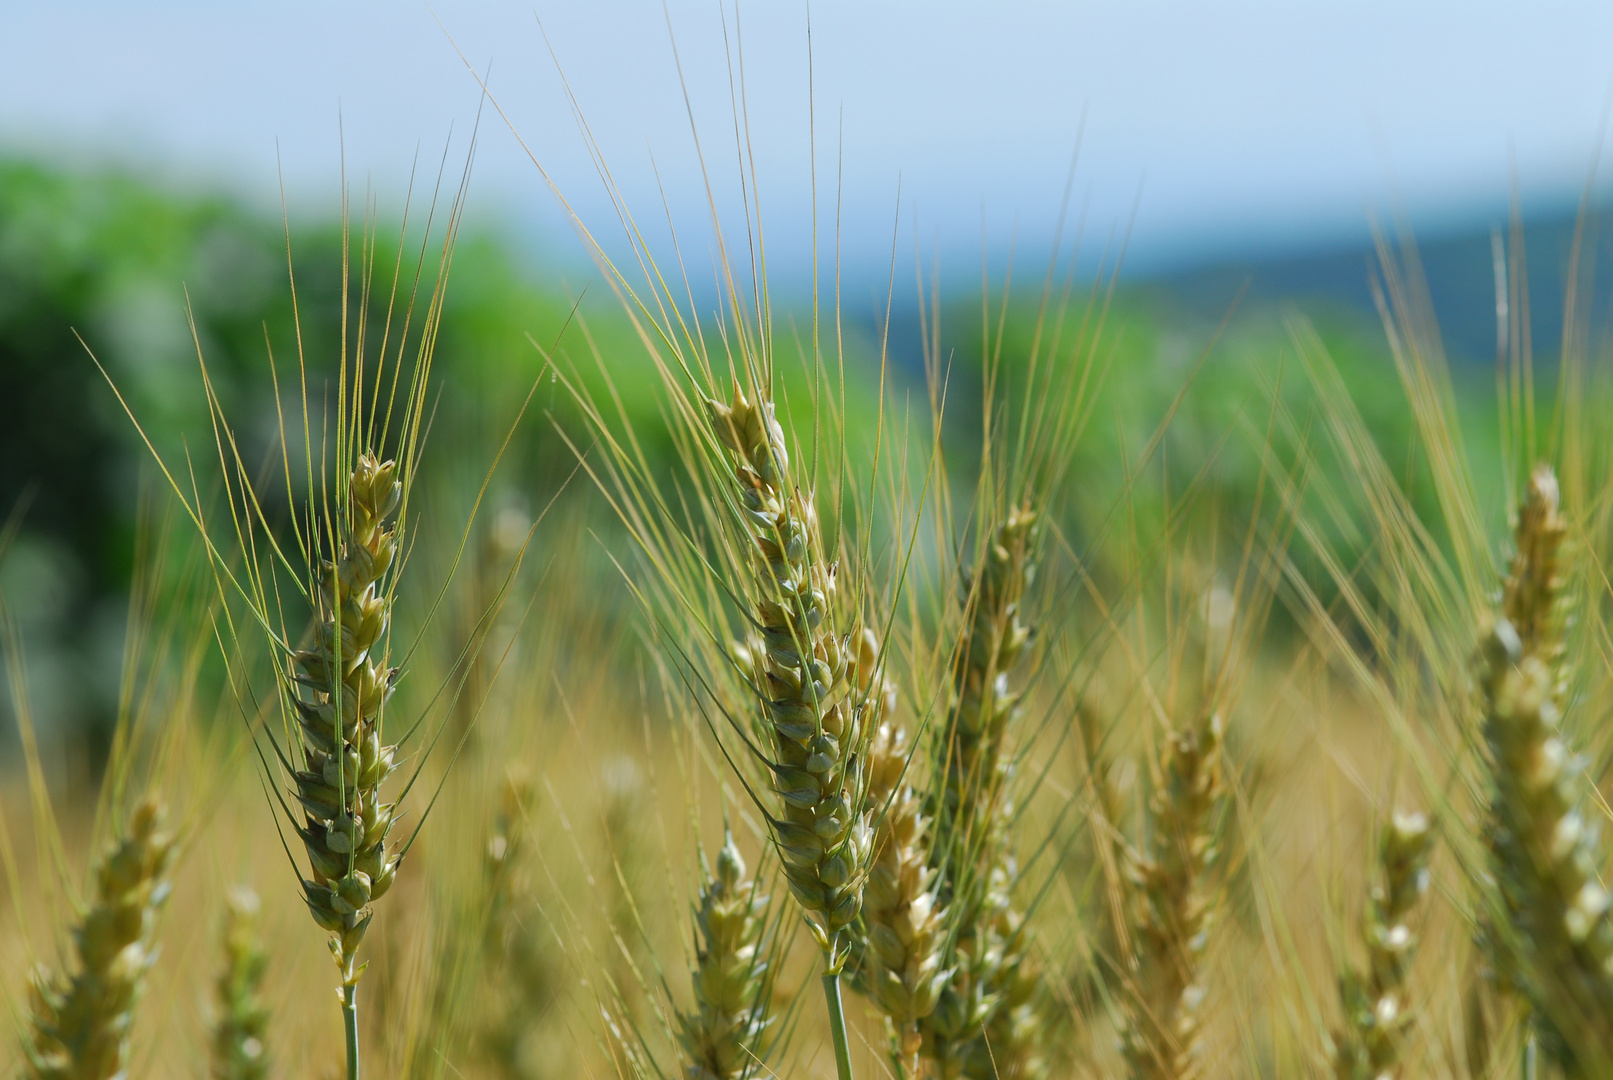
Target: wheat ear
<point>345,823</point>
<point>723,1034</point>
<point>803,676</point>
<point>1173,908</point>
<point>80,1025</point>
<point>986,1024</point>
<point>1375,1007</point>
<point>238,1051</point>
<point>905,924</point>
<point>517,955</point>
<point>1543,850</point>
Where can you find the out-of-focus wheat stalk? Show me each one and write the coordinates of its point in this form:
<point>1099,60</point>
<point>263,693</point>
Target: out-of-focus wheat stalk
<point>1377,1013</point>
<point>80,1022</point>
<point>1173,907</point>
<point>238,1031</point>
<point>985,1023</point>
<point>723,1035</point>
<point>1557,943</point>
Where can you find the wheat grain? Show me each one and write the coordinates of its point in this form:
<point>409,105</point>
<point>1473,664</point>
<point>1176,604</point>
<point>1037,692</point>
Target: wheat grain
<point>80,1026</point>
<point>238,1049</point>
<point>1375,1007</point>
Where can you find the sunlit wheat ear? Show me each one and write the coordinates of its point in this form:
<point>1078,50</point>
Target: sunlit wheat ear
<point>984,703</point>
<point>723,1035</point>
<point>1377,1013</point>
<point>985,1023</point>
<point>80,1023</point>
<point>344,686</point>
<point>813,708</point>
<point>238,1048</point>
<point>1545,854</point>
<point>903,920</point>
<point>1172,897</point>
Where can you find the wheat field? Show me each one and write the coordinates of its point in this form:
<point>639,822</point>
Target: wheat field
<point>789,733</point>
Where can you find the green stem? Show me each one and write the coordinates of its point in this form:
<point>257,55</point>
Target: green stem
<point>1531,1055</point>
<point>350,1022</point>
<point>837,1024</point>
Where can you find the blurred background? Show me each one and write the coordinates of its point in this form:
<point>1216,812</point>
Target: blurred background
<point>157,159</point>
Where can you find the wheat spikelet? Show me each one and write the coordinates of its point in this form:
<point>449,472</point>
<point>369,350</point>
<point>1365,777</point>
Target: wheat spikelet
<point>1558,945</point>
<point>1375,1006</point>
<point>813,710</point>
<point>345,822</point>
<point>986,1024</point>
<point>902,956</point>
<point>238,1051</point>
<point>723,1035</point>
<point>1173,909</point>
<point>80,1025</point>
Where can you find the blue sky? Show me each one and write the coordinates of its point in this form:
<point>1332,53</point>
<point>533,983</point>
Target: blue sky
<point>1239,126</point>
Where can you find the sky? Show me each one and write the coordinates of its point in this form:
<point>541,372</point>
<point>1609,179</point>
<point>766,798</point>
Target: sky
<point>945,128</point>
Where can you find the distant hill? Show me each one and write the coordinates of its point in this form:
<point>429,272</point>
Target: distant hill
<point>1459,266</point>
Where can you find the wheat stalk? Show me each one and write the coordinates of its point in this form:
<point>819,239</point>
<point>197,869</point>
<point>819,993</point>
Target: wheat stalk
<point>238,1050</point>
<point>723,1034</point>
<point>903,919</point>
<point>80,1025</point>
<point>1375,1007</point>
<point>1173,908</point>
<point>1558,942</point>
<point>986,1023</point>
<point>514,947</point>
<point>345,823</point>
<point>803,676</point>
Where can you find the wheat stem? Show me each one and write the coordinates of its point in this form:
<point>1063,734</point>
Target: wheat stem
<point>350,1026</point>
<point>837,1024</point>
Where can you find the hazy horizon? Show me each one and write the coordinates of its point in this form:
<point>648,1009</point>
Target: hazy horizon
<point>1259,130</point>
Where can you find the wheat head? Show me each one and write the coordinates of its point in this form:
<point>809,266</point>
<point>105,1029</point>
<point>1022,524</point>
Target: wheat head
<point>1173,908</point>
<point>986,1022</point>
<point>238,1050</point>
<point>1375,1005</point>
<point>804,676</point>
<point>906,926</point>
<point>345,822</point>
<point>79,1024</point>
<point>723,1034</point>
<point>1558,943</point>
